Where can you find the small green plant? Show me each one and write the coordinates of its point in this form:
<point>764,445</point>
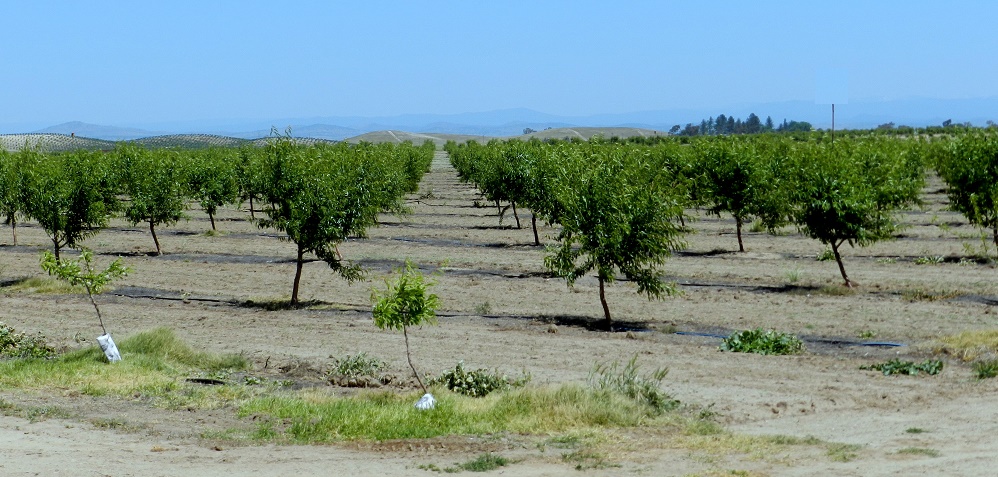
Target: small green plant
<point>867,334</point>
<point>896,366</point>
<point>825,255</point>
<point>794,274</point>
<point>915,430</point>
<point>627,381</point>
<point>762,342</point>
<point>930,260</point>
<point>476,383</point>
<point>20,345</point>
<point>919,451</point>
<point>484,308</point>
<point>987,368</point>
<point>843,452</point>
<point>355,366</point>
<point>483,463</point>
<point>405,303</point>
<point>887,260</point>
<point>94,281</point>
<point>585,460</point>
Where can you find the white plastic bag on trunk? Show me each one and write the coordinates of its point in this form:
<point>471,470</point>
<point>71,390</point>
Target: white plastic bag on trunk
<point>426,402</point>
<point>110,350</point>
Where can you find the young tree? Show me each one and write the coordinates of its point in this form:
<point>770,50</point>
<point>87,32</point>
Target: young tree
<point>405,303</point>
<point>849,191</point>
<point>72,196</point>
<point>614,220</point>
<point>153,181</point>
<point>13,169</point>
<point>319,199</point>
<point>92,279</point>
<point>212,180</point>
<point>738,179</point>
<point>970,168</point>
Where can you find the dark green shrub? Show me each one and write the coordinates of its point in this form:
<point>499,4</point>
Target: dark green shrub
<point>476,383</point>
<point>896,366</point>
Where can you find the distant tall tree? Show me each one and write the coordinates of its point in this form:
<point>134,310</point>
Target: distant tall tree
<point>721,125</point>
<point>769,124</point>
<point>753,125</point>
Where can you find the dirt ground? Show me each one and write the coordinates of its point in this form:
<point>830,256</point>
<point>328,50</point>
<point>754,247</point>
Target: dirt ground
<point>501,310</point>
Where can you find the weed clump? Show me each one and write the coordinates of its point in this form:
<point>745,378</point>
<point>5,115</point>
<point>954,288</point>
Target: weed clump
<point>476,383</point>
<point>764,342</point>
<point>21,345</point>
<point>896,366</point>
<point>645,389</point>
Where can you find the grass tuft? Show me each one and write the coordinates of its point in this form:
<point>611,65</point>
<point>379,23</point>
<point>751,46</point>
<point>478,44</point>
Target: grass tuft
<point>969,345</point>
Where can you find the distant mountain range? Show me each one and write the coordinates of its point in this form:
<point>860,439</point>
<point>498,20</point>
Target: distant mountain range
<point>513,122</point>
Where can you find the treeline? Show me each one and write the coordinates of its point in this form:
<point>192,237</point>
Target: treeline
<point>621,206</point>
<point>727,125</point>
<point>318,194</point>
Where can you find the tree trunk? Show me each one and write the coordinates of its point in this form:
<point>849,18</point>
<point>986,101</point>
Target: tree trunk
<point>517,217</point>
<point>408,356</point>
<point>211,216</point>
<point>602,299</point>
<point>994,233</point>
<point>533,222</point>
<point>99,318</point>
<point>13,228</point>
<point>842,268</point>
<point>55,246</point>
<point>294,289</point>
<point>738,228</point>
<point>252,213</point>
<point>152,229</point>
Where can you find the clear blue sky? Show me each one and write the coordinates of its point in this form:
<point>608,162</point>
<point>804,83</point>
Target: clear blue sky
<point>134,62</point>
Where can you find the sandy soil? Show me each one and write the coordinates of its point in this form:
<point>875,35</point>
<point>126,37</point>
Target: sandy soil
<point>501,310</point>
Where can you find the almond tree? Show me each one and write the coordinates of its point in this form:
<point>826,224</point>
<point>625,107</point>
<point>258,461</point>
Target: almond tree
<point>72,197</point>
<point>614,221</point>
<point>850,191</point>
<point>970,168</point>
<point>153,183</point>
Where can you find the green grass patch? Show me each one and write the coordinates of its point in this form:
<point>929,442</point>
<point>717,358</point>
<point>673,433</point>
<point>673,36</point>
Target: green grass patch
<point>986,368</point>
<point>919,451</point>
<point>153,363</point>
<point>315,417</point>
<point>484,463</point>
<point>969,345</point>
<point>44,284</point>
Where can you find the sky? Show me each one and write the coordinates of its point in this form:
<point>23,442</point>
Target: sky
<point>135,62</point>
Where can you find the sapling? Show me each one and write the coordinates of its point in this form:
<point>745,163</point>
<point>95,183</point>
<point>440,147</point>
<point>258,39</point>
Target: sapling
<point>404,303</point>
<point>82,272</point>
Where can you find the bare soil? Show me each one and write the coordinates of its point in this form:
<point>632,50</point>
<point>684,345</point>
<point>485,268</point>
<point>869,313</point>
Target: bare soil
<point>502,310</point>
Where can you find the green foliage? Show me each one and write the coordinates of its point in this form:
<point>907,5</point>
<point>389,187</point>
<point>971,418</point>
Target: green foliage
<point>969,165</point>
<point>71,196</point>
<point>476,383</point>
<point>483,463</point>
<point>614,218</point>
<point>825,255</point>
<point>645,389</point>
<point>762,342</point>
<point>86,275</point>
<point>896,366</point>
<point>21,345</point>
<point>361,364</point>
<point>986,368</point>
<point>13,170</point>
<point>212,179</point>
<point>322,194</point>
<point>742,177</point>
<point>404,303</point>
<point>849,191</point>
<point>154,183</point>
